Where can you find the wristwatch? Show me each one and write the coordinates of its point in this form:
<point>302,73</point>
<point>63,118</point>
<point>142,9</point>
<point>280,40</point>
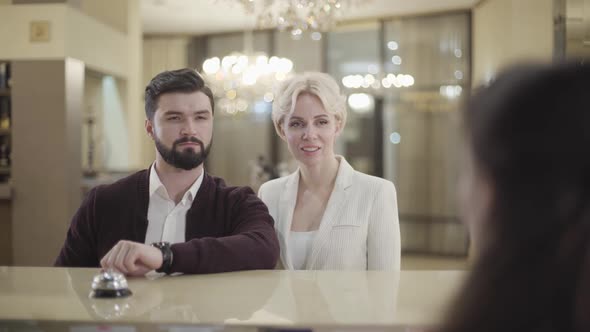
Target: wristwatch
<point>166,256</point>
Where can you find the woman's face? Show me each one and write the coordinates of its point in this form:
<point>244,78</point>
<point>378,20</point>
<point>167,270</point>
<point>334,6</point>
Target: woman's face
<point>310,131</point>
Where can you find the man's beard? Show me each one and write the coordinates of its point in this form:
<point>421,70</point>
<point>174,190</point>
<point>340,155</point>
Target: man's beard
<point>186,159</point>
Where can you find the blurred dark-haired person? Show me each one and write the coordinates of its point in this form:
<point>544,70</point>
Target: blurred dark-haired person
<point>525,195</point>
<point>173,217</point>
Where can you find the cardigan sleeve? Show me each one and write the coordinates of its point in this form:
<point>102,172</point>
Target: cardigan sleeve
<point>383,238</point>
<point>251,244</point>
<point>78,249</point>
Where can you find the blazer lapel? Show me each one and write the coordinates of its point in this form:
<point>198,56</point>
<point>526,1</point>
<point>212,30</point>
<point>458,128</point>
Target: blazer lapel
<point>287,200</point>
<point>333,211</point>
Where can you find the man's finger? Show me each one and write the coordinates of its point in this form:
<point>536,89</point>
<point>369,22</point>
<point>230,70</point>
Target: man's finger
<point>119,260</point>
<point>113,256</point>
<point>132,259</point>
<point>105,260</point>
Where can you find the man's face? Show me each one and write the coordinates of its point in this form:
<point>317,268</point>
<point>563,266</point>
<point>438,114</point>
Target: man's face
<point>182,128</point>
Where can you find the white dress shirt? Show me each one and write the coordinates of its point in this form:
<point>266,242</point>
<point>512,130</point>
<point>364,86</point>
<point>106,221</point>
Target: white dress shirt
<point>167,220</point>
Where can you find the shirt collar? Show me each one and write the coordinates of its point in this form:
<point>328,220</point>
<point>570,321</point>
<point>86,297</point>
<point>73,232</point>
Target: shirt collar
<point>156,186</point>
<point>191,193</point>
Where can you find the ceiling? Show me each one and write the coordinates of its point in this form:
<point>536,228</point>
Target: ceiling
<point>199,17</point>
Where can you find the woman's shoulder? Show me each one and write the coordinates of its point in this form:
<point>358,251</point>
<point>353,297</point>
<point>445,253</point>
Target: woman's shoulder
<point>350,176</point>
<point>371,182</point>
<point>273,186</point>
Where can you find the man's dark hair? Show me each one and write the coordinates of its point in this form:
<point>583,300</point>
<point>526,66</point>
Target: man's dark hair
<point>180,80</point>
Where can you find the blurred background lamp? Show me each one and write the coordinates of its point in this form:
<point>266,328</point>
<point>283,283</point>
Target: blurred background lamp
<point>361,102</point>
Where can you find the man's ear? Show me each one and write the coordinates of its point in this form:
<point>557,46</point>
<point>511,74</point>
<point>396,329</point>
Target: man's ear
<point>149,128</point>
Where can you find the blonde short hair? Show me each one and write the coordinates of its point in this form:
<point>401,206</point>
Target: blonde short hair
<point>318,84</point>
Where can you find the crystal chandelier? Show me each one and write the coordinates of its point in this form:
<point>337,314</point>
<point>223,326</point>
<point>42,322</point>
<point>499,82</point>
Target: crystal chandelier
<point>240,79</point>
<point>298,16</point>
<point>377,82</point>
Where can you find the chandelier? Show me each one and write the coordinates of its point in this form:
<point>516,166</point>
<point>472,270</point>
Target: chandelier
<point>377,82</point>
<point>239,79</point>
<point>298,16</point>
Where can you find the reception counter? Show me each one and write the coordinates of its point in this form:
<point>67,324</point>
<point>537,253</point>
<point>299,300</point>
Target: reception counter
<point>241,301</point>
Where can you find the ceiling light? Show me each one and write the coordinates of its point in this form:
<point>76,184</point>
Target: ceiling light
<point>240,79</point>
<point>298,16</point>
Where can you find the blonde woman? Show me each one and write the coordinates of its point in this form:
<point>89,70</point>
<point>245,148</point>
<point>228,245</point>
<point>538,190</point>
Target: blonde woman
<point>327,215</point>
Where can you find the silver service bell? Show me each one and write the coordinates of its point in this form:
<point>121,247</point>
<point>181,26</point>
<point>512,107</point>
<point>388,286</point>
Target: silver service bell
<point>109,284</point>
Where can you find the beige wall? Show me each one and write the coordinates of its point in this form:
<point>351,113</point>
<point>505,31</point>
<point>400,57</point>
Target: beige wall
<point>104,99</point>
<point>577,28</point>
<point>237,142</point>
<point>110,12</point>
<point>163,53</point>
<point>90,31</point>
<point>159,54</point>
<point>93,105</point>
<point>14,31</point>
<point>135,86</point>
<point>46,161</point>
<point>72,34</point>
<point>122,17</point>
<point>49,78</point>
<point>98,45</point>
<point>509,31</point>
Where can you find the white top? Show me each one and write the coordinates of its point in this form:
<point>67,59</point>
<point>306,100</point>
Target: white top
<point>166,220</point>
<point>301,243</point>
<point>358,231</point>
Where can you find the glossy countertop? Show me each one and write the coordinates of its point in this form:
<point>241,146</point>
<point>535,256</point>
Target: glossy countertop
<point>250,298</point>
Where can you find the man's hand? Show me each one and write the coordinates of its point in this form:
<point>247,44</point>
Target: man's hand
<point>132,258</point>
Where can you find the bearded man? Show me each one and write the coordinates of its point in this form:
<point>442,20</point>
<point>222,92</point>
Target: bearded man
<point>173,217</point>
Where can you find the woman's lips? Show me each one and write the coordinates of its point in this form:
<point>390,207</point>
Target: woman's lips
<point>310,148</point>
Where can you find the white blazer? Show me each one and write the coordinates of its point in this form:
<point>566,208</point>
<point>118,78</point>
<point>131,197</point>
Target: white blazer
<point>358,231</point>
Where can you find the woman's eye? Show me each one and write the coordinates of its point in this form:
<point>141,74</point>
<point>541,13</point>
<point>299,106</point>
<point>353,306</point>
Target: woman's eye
<point>294,124</point>
<point>323,122</point>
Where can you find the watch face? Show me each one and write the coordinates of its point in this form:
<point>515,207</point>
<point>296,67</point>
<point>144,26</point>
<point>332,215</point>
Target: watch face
<point>161,245</point>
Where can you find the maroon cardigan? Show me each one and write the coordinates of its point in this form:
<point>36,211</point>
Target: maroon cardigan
<point>227,228</point>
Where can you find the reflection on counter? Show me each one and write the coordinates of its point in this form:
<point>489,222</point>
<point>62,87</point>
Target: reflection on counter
<point>73,326</point>
<point>285,299</point>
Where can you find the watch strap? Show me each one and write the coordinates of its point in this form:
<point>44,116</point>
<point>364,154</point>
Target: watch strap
<point>167,256</point>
